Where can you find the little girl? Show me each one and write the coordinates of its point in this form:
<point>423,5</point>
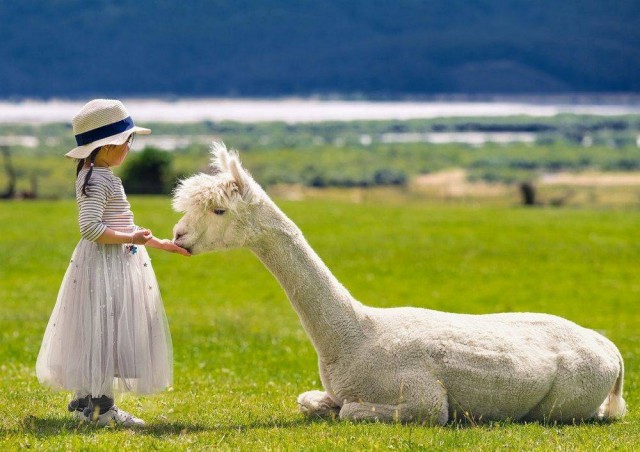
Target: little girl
<point>108,330</point>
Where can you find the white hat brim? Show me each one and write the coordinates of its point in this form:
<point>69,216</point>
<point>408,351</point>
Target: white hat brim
<point>84,151</point>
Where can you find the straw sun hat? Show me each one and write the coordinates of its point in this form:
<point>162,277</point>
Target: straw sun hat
<point>101,122</point>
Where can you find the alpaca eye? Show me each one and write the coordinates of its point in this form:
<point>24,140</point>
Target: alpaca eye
<point>219,211</point>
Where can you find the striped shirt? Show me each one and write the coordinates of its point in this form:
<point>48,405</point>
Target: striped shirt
<point>105,207</point>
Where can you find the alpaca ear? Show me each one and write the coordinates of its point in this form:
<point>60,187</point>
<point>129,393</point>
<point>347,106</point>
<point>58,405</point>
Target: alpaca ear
<point>239,176</point>
<point>220,156</point>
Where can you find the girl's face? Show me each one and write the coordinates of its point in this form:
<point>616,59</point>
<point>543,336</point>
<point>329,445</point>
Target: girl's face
<point>114,155</point>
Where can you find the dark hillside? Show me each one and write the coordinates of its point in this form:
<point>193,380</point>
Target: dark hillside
<point>278,47</point>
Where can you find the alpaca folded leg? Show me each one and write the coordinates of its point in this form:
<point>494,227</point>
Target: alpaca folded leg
<point>318,404</point>
<point>364,411</point>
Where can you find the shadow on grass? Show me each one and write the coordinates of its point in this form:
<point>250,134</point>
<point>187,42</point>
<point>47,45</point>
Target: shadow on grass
<point>55,426</point>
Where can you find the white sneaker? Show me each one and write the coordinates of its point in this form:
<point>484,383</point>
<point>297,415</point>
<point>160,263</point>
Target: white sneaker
<point>100,420</point>
<point>119,417</point>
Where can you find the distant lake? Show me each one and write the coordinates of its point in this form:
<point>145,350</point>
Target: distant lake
<point>305,110</point>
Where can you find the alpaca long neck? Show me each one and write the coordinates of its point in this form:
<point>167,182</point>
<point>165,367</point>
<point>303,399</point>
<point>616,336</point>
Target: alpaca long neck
<point>328,313</point>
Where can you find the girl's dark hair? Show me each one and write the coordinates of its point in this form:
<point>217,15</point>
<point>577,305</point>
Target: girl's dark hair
<point>81,162</point>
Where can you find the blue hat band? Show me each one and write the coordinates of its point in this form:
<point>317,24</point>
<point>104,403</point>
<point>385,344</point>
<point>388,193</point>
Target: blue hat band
<point>104,131</point>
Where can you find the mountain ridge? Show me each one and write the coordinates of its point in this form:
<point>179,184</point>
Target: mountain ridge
<point>275,47</point>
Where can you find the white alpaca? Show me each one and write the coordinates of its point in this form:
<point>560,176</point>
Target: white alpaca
<point>404,364</point>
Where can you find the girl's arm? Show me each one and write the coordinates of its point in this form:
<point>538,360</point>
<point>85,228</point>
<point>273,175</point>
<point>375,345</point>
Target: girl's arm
<point>138,237</point>
<point>166,245</point>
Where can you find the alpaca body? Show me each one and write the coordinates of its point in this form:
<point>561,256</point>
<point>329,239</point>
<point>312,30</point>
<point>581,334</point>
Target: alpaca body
<point>498,366</point>
<point>404,364</point>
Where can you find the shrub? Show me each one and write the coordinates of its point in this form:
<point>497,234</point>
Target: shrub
<point>148,172</point>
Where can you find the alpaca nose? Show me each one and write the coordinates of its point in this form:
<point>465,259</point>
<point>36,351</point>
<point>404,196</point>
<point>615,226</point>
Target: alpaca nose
<point>177,235</point>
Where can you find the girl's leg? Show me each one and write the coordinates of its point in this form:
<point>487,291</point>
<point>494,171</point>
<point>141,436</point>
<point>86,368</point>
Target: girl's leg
<point>88,408</point>
<point>79,403</point>
<point>98,406</point>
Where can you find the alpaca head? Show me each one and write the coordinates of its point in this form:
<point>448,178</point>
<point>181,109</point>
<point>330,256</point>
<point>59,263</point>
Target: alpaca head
<point>218,209</point>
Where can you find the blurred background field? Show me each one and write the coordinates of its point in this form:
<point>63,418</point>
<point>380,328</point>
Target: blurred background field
<point>566,159</point>
<point>241,356</point>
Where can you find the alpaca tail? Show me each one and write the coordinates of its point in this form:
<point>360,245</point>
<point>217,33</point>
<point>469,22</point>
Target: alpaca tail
<point>614,406</point>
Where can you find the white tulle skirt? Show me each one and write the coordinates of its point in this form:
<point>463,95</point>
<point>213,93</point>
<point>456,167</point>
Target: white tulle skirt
<point>108,330</point>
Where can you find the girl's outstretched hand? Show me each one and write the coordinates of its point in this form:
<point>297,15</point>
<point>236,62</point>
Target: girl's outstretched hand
<point>171,247</point>
<point>166,245</point>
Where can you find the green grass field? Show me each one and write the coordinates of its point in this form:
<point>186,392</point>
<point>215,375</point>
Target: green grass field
<point>241,356</point>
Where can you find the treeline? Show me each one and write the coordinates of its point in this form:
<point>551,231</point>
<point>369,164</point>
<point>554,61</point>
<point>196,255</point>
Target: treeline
<point>612,131</point>
<point>617,131</point>
<point>153,171</point>
<point>335,154</point>
<point>329,166</point>
<point>396,164</point>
